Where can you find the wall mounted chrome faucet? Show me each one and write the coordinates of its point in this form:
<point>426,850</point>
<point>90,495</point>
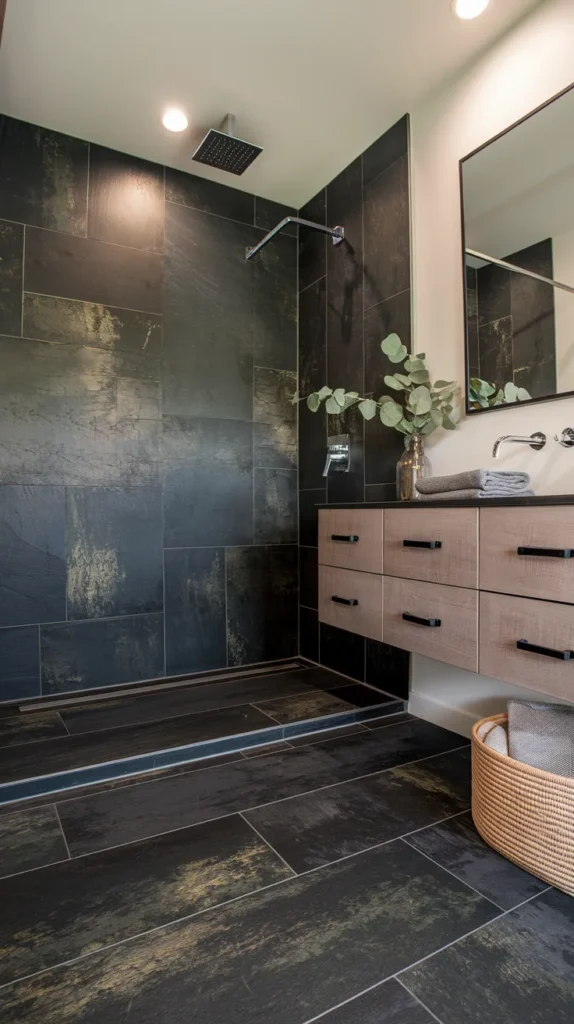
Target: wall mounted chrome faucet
<point>338,454</point>
<point>566,438</point>
<point>536,441</point>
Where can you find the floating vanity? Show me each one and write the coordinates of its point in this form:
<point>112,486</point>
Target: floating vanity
<point>486,586</point>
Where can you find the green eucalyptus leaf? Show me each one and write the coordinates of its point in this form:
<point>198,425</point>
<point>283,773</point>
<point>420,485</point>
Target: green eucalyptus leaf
<point>339,396</point>
<point>486,389</point>
<point>421,356</point>
<point>391,344</point>
<point>332,406</point>
<point>420,400</point>
<point>448,424</point>
<point>351,394</point>
<point>407,426</point>
<point>368,408</point>
<point>523,395</point>
<point>441,384</point>
<point>399,356</point>
<point>510,392</point>
<point>313,402</point>
<point>406,381</point>
<point>393,383</point>
<point>420,377</point>
<point>419,421</point>
<point>429,427</point>
<point>436,417</point>
<point>385,398</point>
<point>325,392</point>
<point>391,414</point>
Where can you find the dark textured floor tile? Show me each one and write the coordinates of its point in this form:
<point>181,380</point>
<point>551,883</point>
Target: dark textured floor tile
<point>113,551</point>
<point>268,214</point>
<point>82,655</point>
<point>30,726</point>
<point>271,748</point>
<point>19,662</point>
<point>43,177</point>
<point>29,839</point>
<point>516,970</point>
<point>457,846</point>
<point>309,633</point>
<point>208,196</point>
<point>388,1003</point>
<point>312,377</point>
<point>195,630</point>
<point>387,233</point>
<point>71,909</point>
<point>386,150</point>
<point>126,200</point>
<point>385,720</point>
<point>11,266</point>
<point>275,418</point>
<point>313,244</point>
<point>208,484</point>
<point>275,506</point>
<point>342,651</point>
<point>326,734</point>
<point>59,420</point>
<point>359,695</point>
<point>208,324</point>
<point>387,668</point>
<point>32,555</point>
<point>29,760</point>
<point>307,705</point>
<point>291,938</point>
<point>309,515</point>
<point>69,321</point>
<point>275,304</point>
<point>308,577</point>
<point>85,268</point>
<point>316,828</point>
<point>261,603</point>
<point>187,700</point>
<point>133,813</point>
<point>383,447</point>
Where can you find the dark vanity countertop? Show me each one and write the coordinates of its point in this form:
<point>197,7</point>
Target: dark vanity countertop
<point>541,499</point>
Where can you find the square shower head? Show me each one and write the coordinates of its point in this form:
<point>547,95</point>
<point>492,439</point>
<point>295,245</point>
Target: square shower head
<point>218,149</point>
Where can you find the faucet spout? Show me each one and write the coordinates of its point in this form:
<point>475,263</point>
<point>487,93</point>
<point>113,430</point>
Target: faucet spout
<point>536,441</point>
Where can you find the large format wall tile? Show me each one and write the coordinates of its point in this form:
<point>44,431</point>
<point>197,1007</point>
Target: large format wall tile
<point>208,196</point>
<point>383,445</point>
<point>85,268</point>
<point>275,506</point>
<point>309,634</point>
<point>11,263</point>
<point>345,281</point>
<point>208,347</point>
<point>19,662</point>
<point>387,668</point>
<point>113,551</point>
<point>313,244</point>
<point>312,377</point>
<point>308,577</point>
<point>387,234</point>
<point>195,634</point>
<point>58,416</point>
<point>43,177</point>
<point>342,651</point>
<point>32,555</point>
<point>70,321</point>
<point>309,515</point>
<point>275,304</point>
<point>79,655</point>
<point>208,482</point>
<point>275,418</point>
<point>126,200</point>
<point>386,150</point>
<point>268,214</point>
<point>261,603</point>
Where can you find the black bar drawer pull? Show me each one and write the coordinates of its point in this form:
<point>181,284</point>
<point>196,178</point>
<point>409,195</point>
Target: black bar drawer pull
<point>421,622</point>
<point>350,601</point>
<point>433,545</point>
<point>350,538</point>
<point>548,652</point>
<point>547,552</point>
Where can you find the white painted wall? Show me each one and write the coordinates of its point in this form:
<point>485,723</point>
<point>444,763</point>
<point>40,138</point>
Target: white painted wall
<point>527,67</point>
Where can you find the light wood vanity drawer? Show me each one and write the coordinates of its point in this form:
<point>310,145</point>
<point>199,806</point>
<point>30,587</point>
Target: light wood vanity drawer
<point>364,593</point>
<point>436,545</point>
<point>549,531</point>
<point>351,538</point>
<point>448,626</point>
<point>506,620</point>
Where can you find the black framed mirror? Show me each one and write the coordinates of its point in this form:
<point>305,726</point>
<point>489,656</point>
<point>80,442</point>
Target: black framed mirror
<point>517,202</point>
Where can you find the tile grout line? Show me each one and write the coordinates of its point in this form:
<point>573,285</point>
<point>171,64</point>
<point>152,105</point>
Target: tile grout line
<point>269,846</point>
<point>63,835</point>
<point>417,1000</point>
<point>404,839</point>
<point>88,302</point>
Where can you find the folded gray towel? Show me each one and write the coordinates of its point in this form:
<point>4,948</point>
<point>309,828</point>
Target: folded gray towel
<point>473,494</point>
<point>492,481</point>
<point>542,735</point>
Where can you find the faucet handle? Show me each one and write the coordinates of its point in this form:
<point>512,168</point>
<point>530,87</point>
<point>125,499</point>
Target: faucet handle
<point>566,438</point>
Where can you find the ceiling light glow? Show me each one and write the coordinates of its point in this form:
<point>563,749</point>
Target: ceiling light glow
<point>467,9</point>
<point>174,120</point>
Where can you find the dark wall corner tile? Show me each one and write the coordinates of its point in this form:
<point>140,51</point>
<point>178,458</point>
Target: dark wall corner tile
<point>342,651</point>
<point>19,663</point>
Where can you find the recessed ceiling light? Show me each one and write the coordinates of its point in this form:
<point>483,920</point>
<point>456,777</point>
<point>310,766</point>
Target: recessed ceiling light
<point>174,120</point>
<point>468,9</point>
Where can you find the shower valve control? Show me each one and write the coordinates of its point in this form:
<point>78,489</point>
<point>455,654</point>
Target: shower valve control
<point>338,454</point>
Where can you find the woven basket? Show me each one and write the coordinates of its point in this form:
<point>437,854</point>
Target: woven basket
<point>525,813</point>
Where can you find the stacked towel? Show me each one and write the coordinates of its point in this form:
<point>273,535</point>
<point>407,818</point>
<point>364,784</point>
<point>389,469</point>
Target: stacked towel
<point>475,483</point>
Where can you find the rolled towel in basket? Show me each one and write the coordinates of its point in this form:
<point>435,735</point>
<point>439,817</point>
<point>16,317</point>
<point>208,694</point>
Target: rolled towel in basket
<point>471,494</point>
<point>492,482</point>
<point>542,735</point>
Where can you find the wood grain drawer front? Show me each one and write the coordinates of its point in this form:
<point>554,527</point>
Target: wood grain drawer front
<point>363,591</point>
<point>543,536</point>
<point>505,621</point>
<point>351,538</point>
<point>448,620</point>
<point>435,545</point>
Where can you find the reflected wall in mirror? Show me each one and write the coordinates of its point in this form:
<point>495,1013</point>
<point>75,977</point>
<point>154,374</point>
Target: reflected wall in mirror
<point>518,243</point>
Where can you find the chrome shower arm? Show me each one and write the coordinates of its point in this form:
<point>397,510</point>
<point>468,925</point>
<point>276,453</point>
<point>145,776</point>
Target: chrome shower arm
<point>338,233</point>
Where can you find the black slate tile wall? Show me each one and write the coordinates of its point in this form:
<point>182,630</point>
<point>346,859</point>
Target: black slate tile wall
<point>148,445</point>
<point>350,297</point>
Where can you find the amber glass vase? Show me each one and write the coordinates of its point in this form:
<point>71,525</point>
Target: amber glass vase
<point>413,465</point>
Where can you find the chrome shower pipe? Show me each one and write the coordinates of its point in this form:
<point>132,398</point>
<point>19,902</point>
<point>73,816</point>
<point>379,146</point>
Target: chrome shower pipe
<point>519,270</point>
<point>338,233</point>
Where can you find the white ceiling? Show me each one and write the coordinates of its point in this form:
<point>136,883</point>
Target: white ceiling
<point>312,81</point>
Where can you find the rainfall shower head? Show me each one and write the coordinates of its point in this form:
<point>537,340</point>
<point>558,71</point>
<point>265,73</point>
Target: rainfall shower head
<point>220,148</point>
